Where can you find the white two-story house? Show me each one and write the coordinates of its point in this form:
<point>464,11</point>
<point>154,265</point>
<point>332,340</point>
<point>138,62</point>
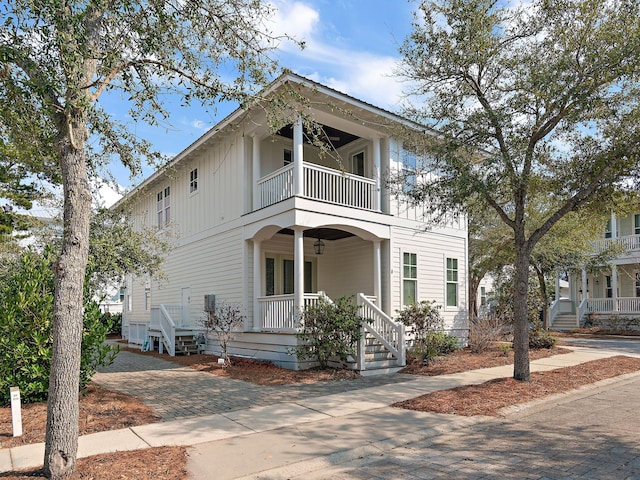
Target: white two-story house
<point>263,219</point>
<point>610,291</point>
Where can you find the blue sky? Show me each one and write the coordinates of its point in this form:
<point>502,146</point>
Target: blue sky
<point>352,46</point>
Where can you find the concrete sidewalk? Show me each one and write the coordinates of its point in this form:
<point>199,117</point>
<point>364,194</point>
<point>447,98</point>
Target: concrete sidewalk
<point>298,433</point>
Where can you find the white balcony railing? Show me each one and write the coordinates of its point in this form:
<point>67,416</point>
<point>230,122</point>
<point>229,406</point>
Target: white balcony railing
<point>628,242</point>
<point>319,183</point>
<point>614,305</point>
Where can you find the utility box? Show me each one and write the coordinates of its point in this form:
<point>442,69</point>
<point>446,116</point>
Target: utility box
<point>209,303</point>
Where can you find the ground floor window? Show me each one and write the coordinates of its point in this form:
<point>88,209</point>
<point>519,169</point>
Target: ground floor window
<point>452,282</point>
<point>280,274</point>
<point>609,288</point>
<point>637,284</point>
<point>409,278</point>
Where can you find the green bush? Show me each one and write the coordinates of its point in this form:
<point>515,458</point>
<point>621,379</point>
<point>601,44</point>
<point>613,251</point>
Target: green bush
<point>26,314</point>
<point>541,338</point>
<point>426,324</point>
<point>329,330</point>
<point>114,320</point>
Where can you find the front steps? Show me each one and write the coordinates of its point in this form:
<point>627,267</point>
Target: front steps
<point>564,322</point>
<point>377,359</point>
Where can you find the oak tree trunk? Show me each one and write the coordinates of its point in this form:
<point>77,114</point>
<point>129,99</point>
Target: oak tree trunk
<point>61,443</point>
<point>521,370</point>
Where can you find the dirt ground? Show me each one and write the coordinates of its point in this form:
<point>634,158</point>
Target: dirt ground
<point>103,410</point>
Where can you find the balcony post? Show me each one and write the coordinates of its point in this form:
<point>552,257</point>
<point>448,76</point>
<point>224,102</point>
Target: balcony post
<point>376,174</point>
<point>614,225</point>
<point>298,274</point>
<point>585,292</point>
<point>298,152</point>
<point>255,171</point>
<point>377,276</point>
<point>257,276</point>
<point>614,286</point>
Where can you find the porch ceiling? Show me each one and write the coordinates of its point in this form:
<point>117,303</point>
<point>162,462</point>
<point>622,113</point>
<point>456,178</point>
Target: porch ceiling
<point>333,136</point>
<point>322,233</point>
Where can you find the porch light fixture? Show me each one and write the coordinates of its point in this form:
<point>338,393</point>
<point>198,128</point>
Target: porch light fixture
<point>318,247</point>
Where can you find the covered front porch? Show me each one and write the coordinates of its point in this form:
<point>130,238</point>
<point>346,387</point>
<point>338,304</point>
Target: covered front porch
<point>295,267</point>
<point>610,292</point>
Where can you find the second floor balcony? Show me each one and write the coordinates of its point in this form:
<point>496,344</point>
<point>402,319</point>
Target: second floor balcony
<point>318,183</point>
<point>628,243</point>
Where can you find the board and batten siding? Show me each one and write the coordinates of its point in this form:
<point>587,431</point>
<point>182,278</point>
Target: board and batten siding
<point>346,267</point>
<point>432,250</point>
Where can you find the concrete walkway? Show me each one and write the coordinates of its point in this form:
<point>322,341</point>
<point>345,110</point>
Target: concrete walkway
<point>303,430</point>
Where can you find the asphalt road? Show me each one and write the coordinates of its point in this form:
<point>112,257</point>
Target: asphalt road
<point>623,345</point>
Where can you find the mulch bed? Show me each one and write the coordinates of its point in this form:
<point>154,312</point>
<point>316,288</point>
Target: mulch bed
<point>490,397</point>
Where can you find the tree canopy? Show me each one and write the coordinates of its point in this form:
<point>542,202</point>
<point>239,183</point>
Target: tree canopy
<point>536,100</point>
<point>57,60</point>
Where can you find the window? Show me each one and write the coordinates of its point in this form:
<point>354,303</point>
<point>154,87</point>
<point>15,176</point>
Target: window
<point>483,297</point>
<point>409,169</point>
<point>163,206</point>
<point>280,280</point>
<point>409,278</point>
<point>637,284</point>
<point>357,164</point>
<point>607,230</point>
<point>147,299</point>
<point>636,224</point>
<point>288,157</point>
<point>608,288</point>
<point>193,181</point>
<point>452,282</point>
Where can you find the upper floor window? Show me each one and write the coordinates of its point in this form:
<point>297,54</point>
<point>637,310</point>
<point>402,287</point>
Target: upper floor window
<point>636,224</point>
<point>452,282</point>
<point>163,206</point>
<point>409,278</point>
<point>409,169</point>
<point>193,180</point>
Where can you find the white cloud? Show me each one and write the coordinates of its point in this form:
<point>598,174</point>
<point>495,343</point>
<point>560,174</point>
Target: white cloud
<point>199,124</point>
<point>358,73</point>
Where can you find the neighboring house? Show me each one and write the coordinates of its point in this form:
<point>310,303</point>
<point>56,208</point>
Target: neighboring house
<point>612,291</point>
<point>264,220</point>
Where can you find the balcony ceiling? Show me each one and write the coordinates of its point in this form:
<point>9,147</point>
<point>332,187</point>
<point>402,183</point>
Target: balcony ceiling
<point>321,233</point>
<point>333,136</point>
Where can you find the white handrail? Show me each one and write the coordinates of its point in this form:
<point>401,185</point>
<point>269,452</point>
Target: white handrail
<point>388,332</point>
<point>581,311</point>
<point>168,328</point>
<point>554,309</point>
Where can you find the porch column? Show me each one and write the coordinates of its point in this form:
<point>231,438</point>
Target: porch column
<point>585,292</point>
<point>257,290</point>
<point>557,287</point>
<point>376,173</point>
<point>377,274</point>
<point>256,172</point>
<point>298,149</point>
<point>614,225</point>
<point>614,285</point>
<point>298,274</point>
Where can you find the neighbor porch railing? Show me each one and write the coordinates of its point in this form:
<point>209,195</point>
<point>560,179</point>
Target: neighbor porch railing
<point>624,305</point>
<point>581,311</point>
<point>388,332</point>
<point>554,310</point>
<point>319,183</point>
<point>628,242</point>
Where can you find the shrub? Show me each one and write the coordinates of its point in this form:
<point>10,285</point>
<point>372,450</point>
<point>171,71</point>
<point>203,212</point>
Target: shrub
<point>541,338</point>
<point>485,332</point>
<point>223,322</point>
<point>26,331</point>
<point>114,320</point>
<point>329,330</point>
<point>426,324</point>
